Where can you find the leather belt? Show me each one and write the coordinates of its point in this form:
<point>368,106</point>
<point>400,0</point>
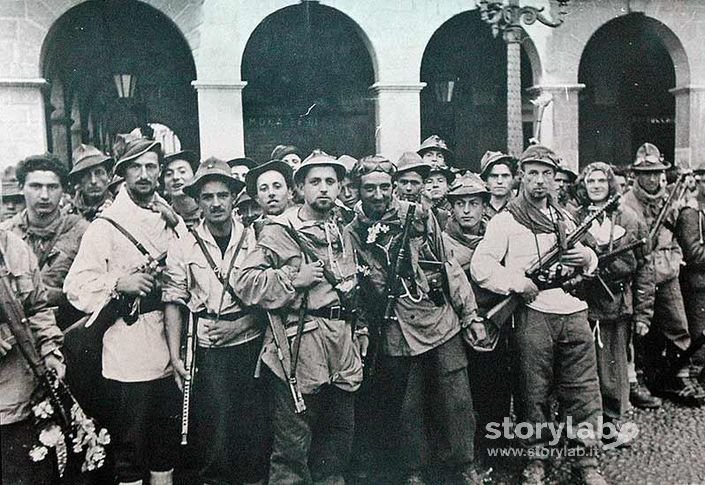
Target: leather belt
<point>335,312</point>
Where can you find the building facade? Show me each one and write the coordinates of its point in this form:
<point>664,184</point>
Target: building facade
<point>236,77</point>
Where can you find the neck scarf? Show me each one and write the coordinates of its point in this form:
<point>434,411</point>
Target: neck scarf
<point>471,241</point>
<point>652,202</point>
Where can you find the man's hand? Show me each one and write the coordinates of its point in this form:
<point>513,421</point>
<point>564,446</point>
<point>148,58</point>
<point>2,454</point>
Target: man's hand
<point>309,274</point>
<point>363,343</point>
<point>478,330</point>
<point>578,256</point>
<point>5,347</point>
<point>54,363</point>
<point>180,374</point>
<point>138,284</point>
<point>220,333</point>
<point>528,290</point>
<point>641,328</point>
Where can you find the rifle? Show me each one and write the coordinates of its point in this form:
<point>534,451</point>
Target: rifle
<point>190,365</point>
<point>394,279</point>
<point>18,325</point>
<point>503,310</point>
<point>283,354</point>
<point>658,222</point>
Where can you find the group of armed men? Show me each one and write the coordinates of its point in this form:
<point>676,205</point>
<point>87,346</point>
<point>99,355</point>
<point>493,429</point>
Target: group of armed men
<point>344,309</point>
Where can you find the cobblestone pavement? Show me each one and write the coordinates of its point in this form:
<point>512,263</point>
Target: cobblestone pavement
<point>669,449</point>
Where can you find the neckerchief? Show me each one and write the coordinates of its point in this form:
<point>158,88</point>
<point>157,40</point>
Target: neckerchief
<point>160,206</point>
<point>652,202</point>
<point>89,212</point>
<point>531,217</point>
<point>471,241</point>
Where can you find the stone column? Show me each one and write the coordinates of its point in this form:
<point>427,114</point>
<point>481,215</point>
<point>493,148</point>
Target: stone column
<point>24,130</point>
<point>220,118</point>
<point>690,123</point>
<point>397,118</point>
<point>559,127</point>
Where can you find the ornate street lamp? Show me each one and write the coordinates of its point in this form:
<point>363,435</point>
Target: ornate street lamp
<point>509,17</point>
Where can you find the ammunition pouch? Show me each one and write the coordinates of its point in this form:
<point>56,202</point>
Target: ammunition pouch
<point>437,277</point>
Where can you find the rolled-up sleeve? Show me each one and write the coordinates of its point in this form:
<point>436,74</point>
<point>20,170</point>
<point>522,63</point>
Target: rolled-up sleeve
<point>175,283</point>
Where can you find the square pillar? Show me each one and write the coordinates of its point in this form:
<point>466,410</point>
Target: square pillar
<point>23,121</point>
<point>397,118</point>
<point>690,123</point>
<point>220,118</point>
<point>559,127</point>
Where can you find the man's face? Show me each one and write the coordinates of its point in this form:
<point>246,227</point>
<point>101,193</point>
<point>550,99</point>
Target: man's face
<point>436,186</point>
<point>94,182</point>
<point>320,188</point>
<point>142,175</point>
<point>272,193</point>
<point>177,174</point>
<point>499,180</point>
<point>650,181</point>
<point>597,185</point>
<point>621,182</point>
<point>434,156</point>
<point>538,180</point>
<point>293,160</point>
<point>11,205</point>
<point>468,210</point>
<point>216,201</point>
<point>239,172</point>
<point>562,183</point>
<point>42,192</point>
<point>409,185</point>
<point>349,194</point>
<point>376,193</point>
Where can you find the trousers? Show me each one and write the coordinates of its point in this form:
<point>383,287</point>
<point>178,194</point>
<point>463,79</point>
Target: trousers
<point>313,446</point>
<point>144,426</point>
<point>611,347</point>
<point>556,353</point>
<point>16,465</point>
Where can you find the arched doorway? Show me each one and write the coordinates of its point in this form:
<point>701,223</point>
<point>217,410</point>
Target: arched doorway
<point>308,72</point>
<point>628,69</point>
<point>95,41</point>
<point>474,119</point>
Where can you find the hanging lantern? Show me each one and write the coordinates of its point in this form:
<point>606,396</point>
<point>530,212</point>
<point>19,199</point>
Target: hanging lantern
<point>125,85</point>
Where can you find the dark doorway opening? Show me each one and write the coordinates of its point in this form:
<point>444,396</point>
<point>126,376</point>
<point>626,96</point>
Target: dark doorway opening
<point>308,75</point>
<point>627,72</point>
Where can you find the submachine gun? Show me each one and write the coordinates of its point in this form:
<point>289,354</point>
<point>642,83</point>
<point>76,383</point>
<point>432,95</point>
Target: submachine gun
<point>537,272</point>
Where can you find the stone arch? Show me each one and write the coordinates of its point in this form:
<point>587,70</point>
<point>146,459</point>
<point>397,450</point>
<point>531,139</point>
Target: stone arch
<point>285,103</point>
<point>630,66</point>
<point>463,46</point>
<point>93,40</point>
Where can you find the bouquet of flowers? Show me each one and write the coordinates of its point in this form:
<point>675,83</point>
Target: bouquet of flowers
<point>55,431</point>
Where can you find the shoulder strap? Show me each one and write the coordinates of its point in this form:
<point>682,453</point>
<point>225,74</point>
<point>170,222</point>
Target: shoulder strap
<point>125,233</point>
<point>224,279</point>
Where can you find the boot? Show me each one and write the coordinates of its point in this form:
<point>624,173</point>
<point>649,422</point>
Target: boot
<point>640,397</point>
<point>684,388</point>
<point>534,473</point>
<point>621,439</point>
<point>161,478</point>
<point>136,482</point>
<point>590,475</point>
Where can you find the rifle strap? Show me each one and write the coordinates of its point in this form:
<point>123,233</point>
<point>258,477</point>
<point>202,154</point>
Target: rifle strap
<point>313,257</point>
<point>224,279</point>
<point>127,234</point>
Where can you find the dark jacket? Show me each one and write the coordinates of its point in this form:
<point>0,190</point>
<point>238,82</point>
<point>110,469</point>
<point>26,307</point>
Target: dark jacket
<point>629,276</point>
<point>690,231</point>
